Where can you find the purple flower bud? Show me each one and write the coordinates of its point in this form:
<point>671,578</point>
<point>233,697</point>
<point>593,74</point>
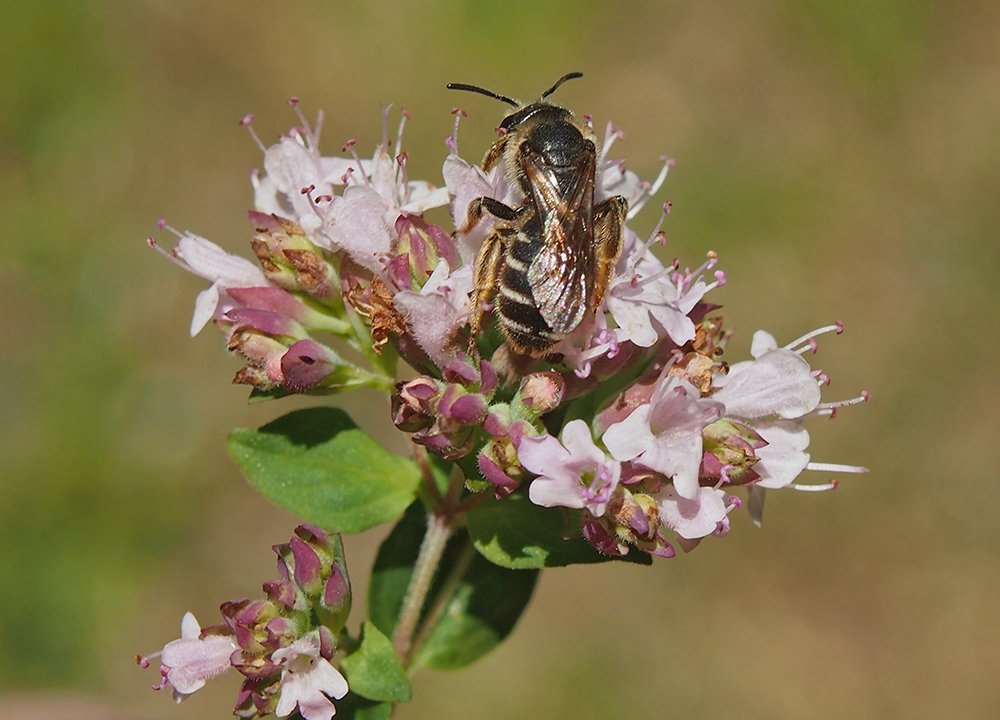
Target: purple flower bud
<point>488,373</point>
<point>266,321</point>
<point>307,567</point>
<point>306,365</point>
<point>503,482</point>
<point>469,409</point>
<point>461,372</point>
<point>597,535</point>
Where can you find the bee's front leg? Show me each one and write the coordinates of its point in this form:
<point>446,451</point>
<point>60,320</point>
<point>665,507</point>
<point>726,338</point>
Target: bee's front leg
<point>609,234</point>
<point>482,205</point>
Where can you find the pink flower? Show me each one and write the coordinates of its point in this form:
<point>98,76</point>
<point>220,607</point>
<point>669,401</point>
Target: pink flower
<point>307,679</point>
<point>188,663</point>
<point>665,434</point>
<point>574,473</point>
<point>438,310</point>
<point>205,259</point>
<point>648,300</point>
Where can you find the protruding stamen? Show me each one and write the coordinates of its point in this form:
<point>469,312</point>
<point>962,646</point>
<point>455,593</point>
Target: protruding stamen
<point>830,408</point>
<point>350,146</point>
<point>794,346</point>
<point>654,237</point>
<point>452,140</point>
<point>650,189</point>
<point>404,116</point>
<point>832,485</point>
<point>611,136</point>
<point>837,467</point>
<point>247,122</point>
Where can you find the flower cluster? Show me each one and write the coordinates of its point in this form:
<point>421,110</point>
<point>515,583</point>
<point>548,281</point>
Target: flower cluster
<point>633,420</point>
<point>282,644</point>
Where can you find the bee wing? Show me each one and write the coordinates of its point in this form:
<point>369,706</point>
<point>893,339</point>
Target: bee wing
<point>560,274</point>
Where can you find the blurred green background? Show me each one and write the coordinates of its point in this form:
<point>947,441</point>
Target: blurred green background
<point>844,160</point>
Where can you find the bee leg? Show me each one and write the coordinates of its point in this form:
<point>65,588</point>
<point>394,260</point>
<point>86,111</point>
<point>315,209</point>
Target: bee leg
<point>482,205</point>
<point>485,279</point>
<point>494,154</point>
<point>609,233</point>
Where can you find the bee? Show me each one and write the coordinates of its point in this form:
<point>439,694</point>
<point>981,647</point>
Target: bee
<point>548,261</point>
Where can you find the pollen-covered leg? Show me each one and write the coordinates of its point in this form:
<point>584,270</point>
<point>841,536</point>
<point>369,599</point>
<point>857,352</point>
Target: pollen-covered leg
<point>488,267</point>
<point>609,234</point>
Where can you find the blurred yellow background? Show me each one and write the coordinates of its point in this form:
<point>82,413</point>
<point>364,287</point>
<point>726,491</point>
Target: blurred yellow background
<point>843,159</point>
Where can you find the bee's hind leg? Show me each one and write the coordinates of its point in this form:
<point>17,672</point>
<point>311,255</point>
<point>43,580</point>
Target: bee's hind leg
<point>609,234</point>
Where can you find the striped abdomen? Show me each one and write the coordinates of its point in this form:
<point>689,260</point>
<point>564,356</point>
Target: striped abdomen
<point>516,309</point>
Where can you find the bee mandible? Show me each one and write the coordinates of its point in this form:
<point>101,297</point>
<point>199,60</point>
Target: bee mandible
<point>547,262</point>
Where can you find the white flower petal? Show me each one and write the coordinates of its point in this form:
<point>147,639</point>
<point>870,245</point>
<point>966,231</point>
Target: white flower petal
<point>695,517</point>
<point>631,437</point>
<point>784,456</point>
<point>779,382</point>
<point>204,308</point>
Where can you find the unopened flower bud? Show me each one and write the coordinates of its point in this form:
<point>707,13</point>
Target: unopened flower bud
<point>539,393</point>
<point>729,452</point>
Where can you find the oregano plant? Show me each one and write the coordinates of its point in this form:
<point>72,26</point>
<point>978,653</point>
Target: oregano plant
<point>628,435</point>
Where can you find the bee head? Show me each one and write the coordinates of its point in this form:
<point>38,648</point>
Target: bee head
<point>524,111</point>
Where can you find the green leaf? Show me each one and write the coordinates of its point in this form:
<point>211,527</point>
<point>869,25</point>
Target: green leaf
<point>479,613</point>
<point>320,465</point>
<point>515,533</point>
<point>355,707</point>
<point>476,603</point>
<point>374,671</point>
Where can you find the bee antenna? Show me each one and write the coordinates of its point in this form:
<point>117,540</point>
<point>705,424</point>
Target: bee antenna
<point>483,91</point>
<point>560,81</point>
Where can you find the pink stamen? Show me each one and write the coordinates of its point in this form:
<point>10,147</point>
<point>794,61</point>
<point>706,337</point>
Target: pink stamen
<point>246,121</point>
<point>350,145</point>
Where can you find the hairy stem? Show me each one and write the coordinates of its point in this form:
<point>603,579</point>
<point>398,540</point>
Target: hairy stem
<point>443,597</point>
<point>439,527</point>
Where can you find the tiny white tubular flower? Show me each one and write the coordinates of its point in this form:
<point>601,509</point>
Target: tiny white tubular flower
<point>666,434</point>
<point>776,382</point>
<point>436,312</point>
<point>205,259</point>
<point>573,473</point>
<point>773,394</point>
<point>189,662</point>
<point>692,518</point>
<point>307,680</point>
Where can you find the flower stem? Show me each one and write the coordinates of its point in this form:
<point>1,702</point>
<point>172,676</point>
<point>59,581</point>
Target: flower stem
<point>441,600</point>
<point>439,527</point>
